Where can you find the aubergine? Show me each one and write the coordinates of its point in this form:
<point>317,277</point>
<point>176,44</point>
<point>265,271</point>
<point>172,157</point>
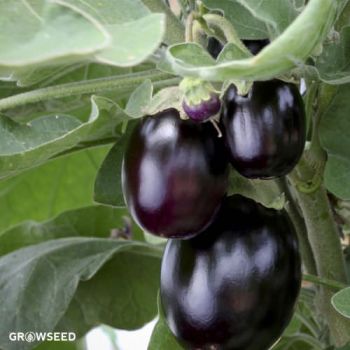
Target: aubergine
<point>264,131</point>
<point>234,286</point>
<point>174,175</point>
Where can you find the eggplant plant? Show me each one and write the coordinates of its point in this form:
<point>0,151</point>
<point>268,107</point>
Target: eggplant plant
<point>183,160</point>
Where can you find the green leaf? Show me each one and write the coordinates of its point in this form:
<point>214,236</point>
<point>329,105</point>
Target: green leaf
<point>92,221</point>
<point>246,25</point>
<point>341,302</point>
<point>175,31</point>
<point>291,48</point>
<point>122,33</point>
<point>139,100</point>
<point>47,31</point>
<point>37,283</point>
<point>263,191</point>
<point>121,294</point>
<point>334,63</point>
<point>133,41</point>
<point>108,188</point>
<point>60,185</point>
<point>256,20</point>
<point>162,338</point>
<point>135,31</point>
<point>334,135</point>
<point>26,146</point>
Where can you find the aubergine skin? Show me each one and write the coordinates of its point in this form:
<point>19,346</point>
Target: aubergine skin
<point>234,286</point>
<point>264,131</point>
<point>174,175</point>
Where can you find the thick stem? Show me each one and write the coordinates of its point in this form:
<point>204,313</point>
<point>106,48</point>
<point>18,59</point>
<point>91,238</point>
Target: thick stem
<point>326,247</point>
<point>122,83</point>
<point>300,227</point>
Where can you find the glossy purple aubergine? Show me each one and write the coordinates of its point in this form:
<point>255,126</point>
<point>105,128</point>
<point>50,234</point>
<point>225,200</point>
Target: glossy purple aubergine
<point>234,286</point>
<point>204,110</point>
<point>174,175</point>
<point>264,131</point>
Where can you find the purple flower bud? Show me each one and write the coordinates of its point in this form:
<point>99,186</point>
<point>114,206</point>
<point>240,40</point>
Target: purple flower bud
<point>204,110</point>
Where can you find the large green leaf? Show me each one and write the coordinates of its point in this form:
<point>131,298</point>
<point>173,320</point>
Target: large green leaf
<point>122,295</point>
<point>23,146</point>
<point>335,138</point>
<point>46,31</point>
<point>39,194</point>
<point>122,33</point>
<point>334,63</point>
<point>37,283</point>
<point>134,30</point>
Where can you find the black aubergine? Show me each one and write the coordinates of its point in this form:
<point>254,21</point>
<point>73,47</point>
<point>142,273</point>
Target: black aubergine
<point>234,286</point>
<point>264,131</point>
<point>174,175</point>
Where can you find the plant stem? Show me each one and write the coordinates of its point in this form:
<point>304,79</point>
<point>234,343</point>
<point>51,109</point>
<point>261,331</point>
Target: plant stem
<point>223,25</point>
<point>300,227</point>
<point>119,83</point>
<point>322,231</point>
<point>325,244</point>
<point>324,282</point>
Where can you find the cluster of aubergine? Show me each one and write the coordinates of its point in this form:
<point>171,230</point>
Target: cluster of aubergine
<point>231,270</point>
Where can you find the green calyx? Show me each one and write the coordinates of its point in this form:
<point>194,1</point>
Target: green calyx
<point>196,90</point>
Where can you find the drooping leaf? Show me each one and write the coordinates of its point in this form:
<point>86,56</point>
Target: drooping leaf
<point>134,30</point>
<point>39,281</point>
<point>23,146</point>
<point>47,31</point>
<point>122,33</point>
